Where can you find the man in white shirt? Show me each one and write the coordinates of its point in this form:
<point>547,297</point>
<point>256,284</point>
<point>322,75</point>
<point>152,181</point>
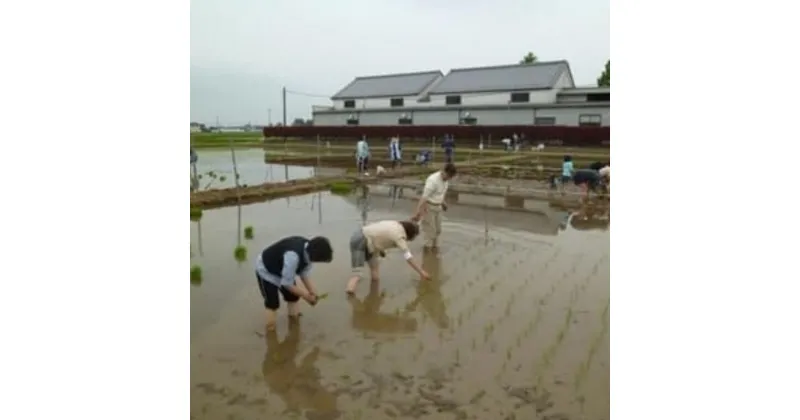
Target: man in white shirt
<point>432,203</point>
<point>370,242</point>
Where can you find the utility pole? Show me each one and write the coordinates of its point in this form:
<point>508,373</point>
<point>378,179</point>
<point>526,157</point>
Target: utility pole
<point>284,106</point>
<point>269,112</point>
<point>284,127</point>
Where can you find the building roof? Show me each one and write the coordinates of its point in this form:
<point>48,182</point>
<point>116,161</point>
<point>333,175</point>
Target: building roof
<point>542,75</point>
<point>404,84</point>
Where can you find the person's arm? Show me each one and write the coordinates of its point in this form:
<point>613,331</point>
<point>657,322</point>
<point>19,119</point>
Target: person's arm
<point>304,276</point>
<point>422,206</point>
<point>403,245</point>
<point>290,262</point>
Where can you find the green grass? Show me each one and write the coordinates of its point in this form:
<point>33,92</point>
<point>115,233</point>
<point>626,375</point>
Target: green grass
<point>240,253</point>
<point>342,188</point>
<point>195,214</point>
<point>248,232</point>
<point>196,275</point>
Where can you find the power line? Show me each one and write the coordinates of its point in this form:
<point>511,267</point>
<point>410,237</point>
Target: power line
<point>311,95</point>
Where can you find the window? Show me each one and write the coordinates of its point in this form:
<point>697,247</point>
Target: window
<point>453,100</point>
<point>352,120</point>
<point>469,120</point>
<point>544,121</point>
<point>590,119</point>
<point>350,103</point>
<point>396,102</point>
<point>520,97</point>
<point>598,97</point>
<point>405,121</point>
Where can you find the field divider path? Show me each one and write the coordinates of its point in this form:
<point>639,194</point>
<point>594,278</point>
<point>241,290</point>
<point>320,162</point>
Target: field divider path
<point>245,195</point>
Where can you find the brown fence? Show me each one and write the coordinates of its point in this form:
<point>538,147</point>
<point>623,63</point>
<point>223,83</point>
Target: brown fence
<point>550,135</point>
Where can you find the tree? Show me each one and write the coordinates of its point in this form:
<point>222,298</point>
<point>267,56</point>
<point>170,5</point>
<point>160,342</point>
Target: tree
<point>605,78</point>
<point>529,58</point>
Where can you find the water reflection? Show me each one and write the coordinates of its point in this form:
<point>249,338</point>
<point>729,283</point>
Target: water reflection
<point>429,293</point>
<point>363,203</point>
<point>592,216</point>
<point>367,316</point>
<point>199,237</point>
<point>298,384</point>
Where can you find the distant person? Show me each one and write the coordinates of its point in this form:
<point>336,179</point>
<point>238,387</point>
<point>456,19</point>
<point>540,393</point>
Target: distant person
<point>279,264</point>
<point>432,204</point>
<point>567,169</point>
<point>480,146</point>
<point>370,242</point>
<point>362,155</point>
<point>448,145</point>
<point>424,157</point>
<point>515,142</point>
<point>395,152</point>
<point>506,144</point>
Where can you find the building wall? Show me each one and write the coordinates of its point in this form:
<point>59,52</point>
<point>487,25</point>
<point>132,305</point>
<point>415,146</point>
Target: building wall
<point>379,118</point>
<point>438,117</point>
<point>330,119</point>
<point>563,116</point>
<point>502,116</point>
<point>384,102</point>
<point>571,116</point>
<point>494,98</point>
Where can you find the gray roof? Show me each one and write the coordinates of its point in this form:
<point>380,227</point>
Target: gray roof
<point>506,78</point>
<point>405,84</point>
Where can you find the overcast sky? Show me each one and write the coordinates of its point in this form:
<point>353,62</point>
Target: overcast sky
<point>244,51</point>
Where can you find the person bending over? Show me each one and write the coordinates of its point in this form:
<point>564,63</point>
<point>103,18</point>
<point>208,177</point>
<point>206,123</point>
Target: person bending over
<point>370,242</point>
<point>279,264</point>
<point>588,180</point>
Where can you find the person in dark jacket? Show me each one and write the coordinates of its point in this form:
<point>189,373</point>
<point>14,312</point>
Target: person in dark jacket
<point>278,266</point>
<point>597,166</point>
<point>588,180</point>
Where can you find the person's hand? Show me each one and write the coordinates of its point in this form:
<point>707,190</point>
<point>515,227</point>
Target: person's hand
<point>415,218</point>
<point>424,275</point>
<point>310,298</point>
<point>444,206</point>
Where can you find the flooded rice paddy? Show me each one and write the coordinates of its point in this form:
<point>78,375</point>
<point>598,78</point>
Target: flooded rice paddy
<point>513,325</point>
<point>253,169</point>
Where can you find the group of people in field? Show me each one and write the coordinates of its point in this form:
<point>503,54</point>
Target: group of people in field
<point>279,265</point>
<point>597,176</point>
<point>424,157</point>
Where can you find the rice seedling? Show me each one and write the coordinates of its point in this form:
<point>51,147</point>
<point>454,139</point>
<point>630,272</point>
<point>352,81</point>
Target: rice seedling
<point>195,213</point>
<point>248,232</point>
<point>196,275</point>
<point>222,178</point>
<point>240,253</point>
<point>342,188</point>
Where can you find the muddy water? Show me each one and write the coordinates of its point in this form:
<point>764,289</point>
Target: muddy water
<point>252,168</point>
<point>514,324</point>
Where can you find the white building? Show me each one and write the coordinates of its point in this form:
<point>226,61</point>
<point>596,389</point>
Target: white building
<point>539,93</point>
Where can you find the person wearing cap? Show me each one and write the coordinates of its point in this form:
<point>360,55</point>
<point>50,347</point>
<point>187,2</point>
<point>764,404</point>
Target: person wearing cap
<point>279,264</point>
<point>432,204</point>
